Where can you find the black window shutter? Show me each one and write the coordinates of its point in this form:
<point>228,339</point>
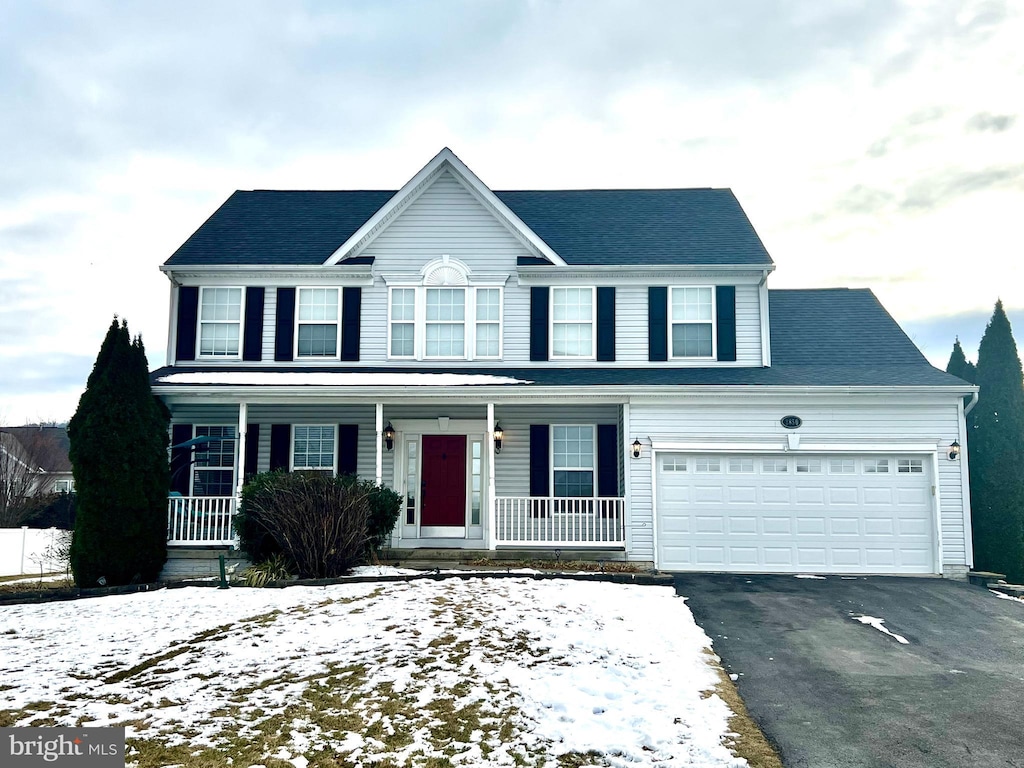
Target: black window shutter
<point>607,460</point>
<point>539,323</point>
<point>188,315</point>
<point>285,335</point>
<point>252,346</point>
<point>181,458</point>
<point>540,462</point>
<point>280,446</point>
<point>725,306</point>
<point>252,450</point>
<point>606,324</point>
<point>348,448</point>
<point>657,324</point>
<point>351,302</point>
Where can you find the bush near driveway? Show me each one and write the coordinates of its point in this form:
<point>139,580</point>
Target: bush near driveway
<point>323,525</point>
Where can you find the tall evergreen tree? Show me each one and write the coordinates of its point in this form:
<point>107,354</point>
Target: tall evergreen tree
<point>119,454</point>
<point>996,428</point>
<point>959,365</point>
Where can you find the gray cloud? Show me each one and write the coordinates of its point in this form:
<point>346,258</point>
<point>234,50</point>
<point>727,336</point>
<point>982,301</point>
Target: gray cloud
<point>33,373</point>
<point>927,193</point>
<point>91,86</point>
<point>939,189</point>
<point>985,121</point>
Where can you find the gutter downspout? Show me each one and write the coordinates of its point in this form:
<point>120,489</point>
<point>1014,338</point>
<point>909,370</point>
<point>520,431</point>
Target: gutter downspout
<point>974,402</point>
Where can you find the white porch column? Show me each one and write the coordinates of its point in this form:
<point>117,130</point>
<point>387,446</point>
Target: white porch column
<point>243,420</point>
<point>379,475</point>
<point>491,495</point>
<point>627,451</point>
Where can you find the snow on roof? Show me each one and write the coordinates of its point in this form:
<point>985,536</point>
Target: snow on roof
<point>338,379</point>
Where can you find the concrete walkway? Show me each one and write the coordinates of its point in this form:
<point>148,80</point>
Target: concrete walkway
<point>829,690</point>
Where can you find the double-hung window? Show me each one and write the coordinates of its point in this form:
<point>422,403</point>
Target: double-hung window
<point>317,321</point>
<point>488,322</point>
<point>313,447</point>
<point>446,322</point>
<point>213,473</point>
<point>403,322</point>
<point>220,321</point>
<point>572,460</point>
<point>572,322</point>
<point>691,321</point>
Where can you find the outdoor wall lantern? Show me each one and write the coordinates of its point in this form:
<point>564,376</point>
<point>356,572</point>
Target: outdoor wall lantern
<point>389,436</point>
<point>636,449</point>
<point>499,435</point>
<point>954,451</point>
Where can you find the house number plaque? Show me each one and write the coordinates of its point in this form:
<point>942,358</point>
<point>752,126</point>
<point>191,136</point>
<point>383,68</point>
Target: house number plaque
<point>791,422</point>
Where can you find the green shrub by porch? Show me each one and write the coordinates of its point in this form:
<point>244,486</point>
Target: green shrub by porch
<point>323,525</point>
<point>119,455</point>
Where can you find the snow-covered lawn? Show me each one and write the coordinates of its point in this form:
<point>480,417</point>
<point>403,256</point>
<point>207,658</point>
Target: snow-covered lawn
<point>426,674</point>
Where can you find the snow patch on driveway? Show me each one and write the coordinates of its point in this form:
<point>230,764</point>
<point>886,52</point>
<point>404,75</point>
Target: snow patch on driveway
<point>879,624</point>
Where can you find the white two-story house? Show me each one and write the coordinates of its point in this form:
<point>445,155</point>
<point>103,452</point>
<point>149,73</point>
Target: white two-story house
<point>568,369</point>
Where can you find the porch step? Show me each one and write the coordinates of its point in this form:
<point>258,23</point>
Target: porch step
<point>455,558</point>
<point>200,562</point>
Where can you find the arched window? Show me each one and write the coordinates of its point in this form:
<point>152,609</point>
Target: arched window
<point>445,317</point>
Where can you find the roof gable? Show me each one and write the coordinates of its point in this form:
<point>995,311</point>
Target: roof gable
<point>445,160</point>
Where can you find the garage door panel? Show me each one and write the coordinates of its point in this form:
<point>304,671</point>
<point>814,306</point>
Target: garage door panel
<point>810,526</point>
<point>789,513</point>
<point>742,525</point>
<point>741,494</point>
<point>777,526</point>
<point>774,494</point>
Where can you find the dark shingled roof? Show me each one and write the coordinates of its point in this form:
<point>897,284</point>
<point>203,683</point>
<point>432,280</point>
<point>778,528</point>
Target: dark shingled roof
<point>830,337</point>
<point>594,226</point>
<point>47,446</point>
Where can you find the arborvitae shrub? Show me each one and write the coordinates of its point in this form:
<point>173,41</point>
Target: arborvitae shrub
<point>119,455</point>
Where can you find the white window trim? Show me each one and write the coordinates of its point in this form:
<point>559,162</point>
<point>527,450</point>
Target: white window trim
<point>337,324</point>
<point>241,325</point>
<point>551,461</point>
<point>714,324</point>
<point>593,323</point>
<point>334,453</point>
<point>192,454</point>
<point>469,322</point>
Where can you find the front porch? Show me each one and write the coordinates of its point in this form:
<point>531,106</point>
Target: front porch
<point>519,521</point>
<point>483,475</point>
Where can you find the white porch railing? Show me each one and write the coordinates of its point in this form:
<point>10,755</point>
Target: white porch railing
<point>548,521</point>
<point>195,520</point>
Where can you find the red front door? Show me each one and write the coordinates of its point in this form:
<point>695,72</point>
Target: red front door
<point>443,488</point>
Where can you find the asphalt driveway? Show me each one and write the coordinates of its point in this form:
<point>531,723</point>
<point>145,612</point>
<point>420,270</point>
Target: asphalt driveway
<point>829,690</point>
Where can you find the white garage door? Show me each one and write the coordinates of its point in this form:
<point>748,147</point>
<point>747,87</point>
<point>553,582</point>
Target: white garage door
<point>792,513</point>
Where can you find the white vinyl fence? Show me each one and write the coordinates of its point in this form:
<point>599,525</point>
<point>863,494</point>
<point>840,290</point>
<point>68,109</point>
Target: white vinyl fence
<point>31,551</point>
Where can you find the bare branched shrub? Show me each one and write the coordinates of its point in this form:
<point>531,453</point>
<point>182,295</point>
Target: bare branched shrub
<point>319,522</point>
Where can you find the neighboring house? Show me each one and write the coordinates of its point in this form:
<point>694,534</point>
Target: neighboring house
<point>33,462</point>
<point>562,369</point>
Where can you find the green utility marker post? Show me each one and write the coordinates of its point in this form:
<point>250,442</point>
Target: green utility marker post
<point>223,574</point>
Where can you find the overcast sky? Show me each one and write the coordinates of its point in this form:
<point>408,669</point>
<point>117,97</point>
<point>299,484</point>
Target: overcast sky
<point>873,144</point>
